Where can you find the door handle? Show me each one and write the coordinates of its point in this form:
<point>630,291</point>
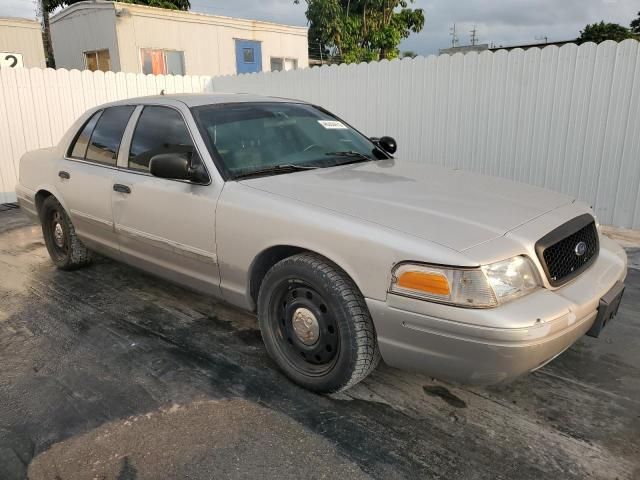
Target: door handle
<point>118,187</point>
<point>63,174</point>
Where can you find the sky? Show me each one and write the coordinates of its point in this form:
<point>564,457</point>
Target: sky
<point>498,21</point>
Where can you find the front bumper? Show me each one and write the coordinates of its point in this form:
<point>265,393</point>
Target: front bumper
<point>499,344</point>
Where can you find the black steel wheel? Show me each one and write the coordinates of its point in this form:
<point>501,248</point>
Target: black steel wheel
<point>56,228</point>
<point>316,325</point>
<point>65,249</point>
<point>307,333</point>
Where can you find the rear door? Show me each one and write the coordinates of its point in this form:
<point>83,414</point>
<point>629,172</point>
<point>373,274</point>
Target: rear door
<point>86,174</point>
<point>165,226</point>
<point>248,56</point>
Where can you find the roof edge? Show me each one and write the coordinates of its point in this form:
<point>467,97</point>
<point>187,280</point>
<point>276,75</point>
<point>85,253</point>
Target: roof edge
<point>25,22</point>
<point>167,13</point>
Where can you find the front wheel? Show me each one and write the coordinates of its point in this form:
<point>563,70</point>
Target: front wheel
<point>316,324</point>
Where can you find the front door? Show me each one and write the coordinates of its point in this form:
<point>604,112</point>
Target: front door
<point>165,226</point>
<point>248,56</point>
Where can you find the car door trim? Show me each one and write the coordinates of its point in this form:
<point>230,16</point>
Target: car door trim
<point>169,245</point>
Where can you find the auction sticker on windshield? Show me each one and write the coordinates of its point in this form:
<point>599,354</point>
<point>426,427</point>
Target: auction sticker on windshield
<point>332,124</point>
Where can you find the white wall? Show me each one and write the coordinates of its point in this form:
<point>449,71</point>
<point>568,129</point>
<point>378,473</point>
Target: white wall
<point>564,118</point>
<point>208,41</point>
<point>38,105</point>
<point>23,36</point>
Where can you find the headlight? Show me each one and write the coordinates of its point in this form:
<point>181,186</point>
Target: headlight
<point>511,278</point>
<point>487,286</point>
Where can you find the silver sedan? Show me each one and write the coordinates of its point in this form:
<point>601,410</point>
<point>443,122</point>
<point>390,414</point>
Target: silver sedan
<point>346,253</point>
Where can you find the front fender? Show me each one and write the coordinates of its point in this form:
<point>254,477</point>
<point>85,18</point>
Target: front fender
<point>250,221</point>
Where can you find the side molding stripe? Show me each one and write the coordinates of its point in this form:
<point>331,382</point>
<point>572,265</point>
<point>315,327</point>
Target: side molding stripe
<point>169,245</point>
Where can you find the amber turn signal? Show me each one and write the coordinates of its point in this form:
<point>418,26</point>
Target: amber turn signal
<point>429,282</point>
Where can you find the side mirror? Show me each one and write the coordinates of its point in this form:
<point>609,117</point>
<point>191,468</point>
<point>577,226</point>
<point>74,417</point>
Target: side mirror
<point>176,166</point>
<point>388,144</point>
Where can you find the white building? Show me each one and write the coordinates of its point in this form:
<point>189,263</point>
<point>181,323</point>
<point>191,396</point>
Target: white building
<point>21,43</point>
<point>99,35</point>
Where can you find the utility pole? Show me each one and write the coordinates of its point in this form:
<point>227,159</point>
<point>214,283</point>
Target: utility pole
<point>454,36</point>
<point>474,35</point>
<point>544,37</point>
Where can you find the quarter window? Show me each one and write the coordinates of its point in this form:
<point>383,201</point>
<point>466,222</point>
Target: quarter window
<point>107,135</point>
<point>159,130</point>
<point>79,148</point>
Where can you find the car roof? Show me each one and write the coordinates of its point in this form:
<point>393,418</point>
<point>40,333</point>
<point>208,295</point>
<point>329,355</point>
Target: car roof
<point>198,99</point>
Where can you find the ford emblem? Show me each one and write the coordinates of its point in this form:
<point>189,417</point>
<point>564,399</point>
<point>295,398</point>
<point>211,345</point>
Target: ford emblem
<point>581,249</point>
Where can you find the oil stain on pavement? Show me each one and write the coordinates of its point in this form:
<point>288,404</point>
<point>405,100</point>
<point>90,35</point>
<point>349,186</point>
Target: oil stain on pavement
<point>107,372</point>
<point>445,394</point>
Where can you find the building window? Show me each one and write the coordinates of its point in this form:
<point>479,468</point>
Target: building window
<point>279,64</point>
<point>249,55</point>
<point>97,60</point>
<point>162,62</point>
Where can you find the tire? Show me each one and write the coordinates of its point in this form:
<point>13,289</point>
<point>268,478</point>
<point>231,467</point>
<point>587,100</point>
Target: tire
<point>316,325</point>
<point>65,249</point>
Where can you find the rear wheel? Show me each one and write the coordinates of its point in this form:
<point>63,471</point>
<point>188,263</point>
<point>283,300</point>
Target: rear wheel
<point>316,324</point>
<point>65,249</point>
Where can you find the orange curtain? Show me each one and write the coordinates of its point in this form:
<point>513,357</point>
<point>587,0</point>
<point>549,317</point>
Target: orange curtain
<point>153,61</point>
<point>157,62</point>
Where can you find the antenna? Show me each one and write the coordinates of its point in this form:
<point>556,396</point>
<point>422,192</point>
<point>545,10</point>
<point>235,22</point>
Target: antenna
<point>474,35</point>
<point>543,37</point>
<point>454,36</point>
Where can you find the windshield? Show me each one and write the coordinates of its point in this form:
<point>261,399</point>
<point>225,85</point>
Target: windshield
<point>252,137</point>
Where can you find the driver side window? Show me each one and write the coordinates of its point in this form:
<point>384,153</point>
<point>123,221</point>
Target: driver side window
<point>159,130</point>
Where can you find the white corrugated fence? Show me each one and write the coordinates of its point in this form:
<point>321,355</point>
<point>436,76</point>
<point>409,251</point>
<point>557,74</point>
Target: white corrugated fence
<point>565,118</point>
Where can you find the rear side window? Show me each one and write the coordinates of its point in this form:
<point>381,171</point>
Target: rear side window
<point>79,148</point>
<point>107,135</point>
<point>159,130</point>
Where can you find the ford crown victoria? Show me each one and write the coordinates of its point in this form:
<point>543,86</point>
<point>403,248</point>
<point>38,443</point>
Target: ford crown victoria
<point>345,253</point>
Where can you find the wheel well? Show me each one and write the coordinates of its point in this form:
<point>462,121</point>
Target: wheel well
<point>263,263</point>
<point>41,196</point>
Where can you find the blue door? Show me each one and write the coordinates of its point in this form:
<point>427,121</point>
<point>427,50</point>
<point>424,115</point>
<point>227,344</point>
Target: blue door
<point>248,56</point>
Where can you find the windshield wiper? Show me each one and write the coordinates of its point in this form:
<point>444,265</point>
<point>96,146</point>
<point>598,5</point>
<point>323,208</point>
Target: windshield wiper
<point>274,170</point>
<point>349,153</point>
<point>354,156</point>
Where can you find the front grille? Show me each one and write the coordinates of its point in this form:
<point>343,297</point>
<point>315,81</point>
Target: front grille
<point>569,249</point>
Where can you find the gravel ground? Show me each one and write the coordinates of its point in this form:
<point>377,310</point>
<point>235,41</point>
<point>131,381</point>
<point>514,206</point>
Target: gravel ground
<point>109,373</point>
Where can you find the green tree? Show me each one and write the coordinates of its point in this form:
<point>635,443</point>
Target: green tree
<point>599,32</point>
<point>360,30</point>
<point>635,25</point>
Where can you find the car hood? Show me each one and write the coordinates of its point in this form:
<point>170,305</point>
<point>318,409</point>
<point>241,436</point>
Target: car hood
<point>450,207</point>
